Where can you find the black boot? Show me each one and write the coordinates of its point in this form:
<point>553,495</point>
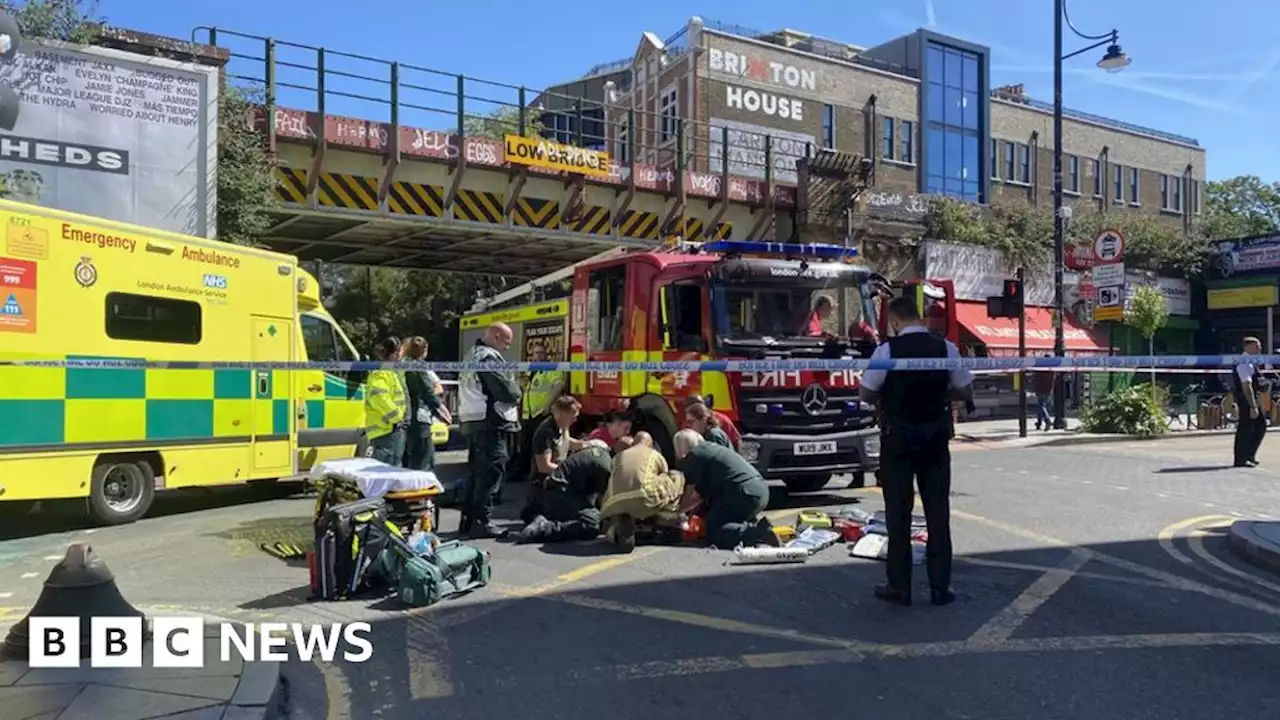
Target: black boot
<point>942,597</point>
<point>894,595</point>
<point>537,531</point>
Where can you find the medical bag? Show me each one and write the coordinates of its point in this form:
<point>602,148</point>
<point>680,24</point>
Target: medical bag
<point>351,541</point>
<point>453,568</point>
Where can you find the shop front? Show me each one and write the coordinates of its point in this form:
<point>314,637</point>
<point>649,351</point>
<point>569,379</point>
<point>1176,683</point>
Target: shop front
<point>1243,295</point>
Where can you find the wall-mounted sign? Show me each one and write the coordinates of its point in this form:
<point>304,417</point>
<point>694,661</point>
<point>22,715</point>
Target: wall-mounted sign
<point>554,156</point>
<point>1256,296</point>
<point>980,272</point>
<point>1176,291</point>
<point>764,103</point>
<point>753,68</point>
<point>897,206</point>
<point>746,149</point>
<point>1234,256</point>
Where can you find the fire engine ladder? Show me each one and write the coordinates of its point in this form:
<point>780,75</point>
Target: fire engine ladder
<point>530,287</point>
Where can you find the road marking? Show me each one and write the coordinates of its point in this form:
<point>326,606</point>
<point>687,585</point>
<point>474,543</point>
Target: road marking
<point>53,557</point>
<point>28,576</point>
<point>1007,621</point>
<point>581,573</point>
<point>1162,496</point>
<point>1174,581</point>
<point>1196,542</point>
<point>705,621</point>
<point>427,659</point>
<point>336,690</point>
<point>1121,487</point>
<point>1027,567</point>
<point>689,667</point>
<point>1167,536</point>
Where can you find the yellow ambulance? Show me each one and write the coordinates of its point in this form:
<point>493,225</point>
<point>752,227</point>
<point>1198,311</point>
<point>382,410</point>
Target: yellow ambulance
<point>75,287</point>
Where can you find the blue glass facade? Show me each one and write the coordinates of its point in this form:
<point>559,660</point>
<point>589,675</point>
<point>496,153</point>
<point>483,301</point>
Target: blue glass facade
<point>954,111</point>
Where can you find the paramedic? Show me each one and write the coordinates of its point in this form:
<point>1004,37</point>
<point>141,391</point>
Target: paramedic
<point>569,509</point>
<point>723,421</point>
<point>385,407</point>
<point>488,407</point>
<point>543,386</point>
<point>426,403</point>
<point>615,431</point>
<point>552,443</point>
<point>917,430</point>
<point>701,419</point>
<point>731,492</point>
<point>1251,427</point>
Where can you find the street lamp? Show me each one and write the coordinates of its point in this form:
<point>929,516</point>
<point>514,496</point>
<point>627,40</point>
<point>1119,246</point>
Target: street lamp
<point>1113,61</point>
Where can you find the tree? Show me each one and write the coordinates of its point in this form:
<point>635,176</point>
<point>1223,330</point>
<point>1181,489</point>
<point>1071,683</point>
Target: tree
<point>1147,313</point>
<point>502,122</point>
<point>1150,242</point>
<point>73,21</point>
<point>1241,207</point>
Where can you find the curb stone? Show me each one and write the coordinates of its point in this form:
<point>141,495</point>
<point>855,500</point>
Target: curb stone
<point>1244,540</point>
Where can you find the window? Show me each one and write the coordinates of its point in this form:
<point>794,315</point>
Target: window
<point>1073,174</point>
<point>1195,197</point>
<point>954,96</point>
<point>828,126</point>
<point>907,130</point>
<point>1024,164</point>
<point>993,161</point>
<point>624,140</point>
<point>1010,161</point>
<point>1176,182</point>
<point>667,111</point>
<point>1133,185</point>
<point>1095,168</point>
<point>1117,180</point>
<point>604,308</point>
<point>886,134</point>
<point>146,318</point>
<point>682,317</point>
<point>324,344</point>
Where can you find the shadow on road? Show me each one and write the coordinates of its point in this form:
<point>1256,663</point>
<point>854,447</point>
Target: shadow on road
<point>1192,469</point>
<point>768,641</point>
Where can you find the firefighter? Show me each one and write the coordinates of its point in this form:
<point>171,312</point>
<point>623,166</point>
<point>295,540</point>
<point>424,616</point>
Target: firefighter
<point>915,448</point>
<point>385,407</point>
<point>488,408</point>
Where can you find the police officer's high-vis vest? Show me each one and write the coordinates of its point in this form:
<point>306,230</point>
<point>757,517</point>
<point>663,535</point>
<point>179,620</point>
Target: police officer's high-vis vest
<point>540,393</point>
<point>386,404</point>
<point>473,404</point>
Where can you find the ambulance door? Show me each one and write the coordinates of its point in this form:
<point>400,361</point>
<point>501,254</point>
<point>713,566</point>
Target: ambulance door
<point>272,399</point>
<point>330,404</point>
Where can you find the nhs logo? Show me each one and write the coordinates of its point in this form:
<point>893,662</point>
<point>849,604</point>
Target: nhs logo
<point>216,282</point>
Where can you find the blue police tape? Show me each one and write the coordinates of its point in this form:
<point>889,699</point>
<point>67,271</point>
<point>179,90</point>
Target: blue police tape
<point>1136,362</point>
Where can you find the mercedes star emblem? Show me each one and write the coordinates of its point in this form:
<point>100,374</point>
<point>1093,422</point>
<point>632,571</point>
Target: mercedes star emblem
<point>814,399</point>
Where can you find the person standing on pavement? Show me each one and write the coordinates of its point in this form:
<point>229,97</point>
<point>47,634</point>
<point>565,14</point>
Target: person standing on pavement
<point>1042,383</point>
<point>385,407</point>
<point>915,448</point>
<point>426,403</point>
<point>488,407</point>
<point>1251,425</point>
<point>730,493</point>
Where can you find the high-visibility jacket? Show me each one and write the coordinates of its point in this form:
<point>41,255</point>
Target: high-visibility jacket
<point>543,388</point>
<point>385,403</point>
<point>474,403</point>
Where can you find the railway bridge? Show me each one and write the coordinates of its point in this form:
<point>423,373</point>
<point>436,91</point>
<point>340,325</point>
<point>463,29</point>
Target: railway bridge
<point>391,193</point>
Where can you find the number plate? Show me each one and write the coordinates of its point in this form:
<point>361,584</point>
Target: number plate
<point>827,447</point>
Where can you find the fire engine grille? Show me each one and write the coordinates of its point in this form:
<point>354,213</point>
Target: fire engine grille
<point>792,416</point>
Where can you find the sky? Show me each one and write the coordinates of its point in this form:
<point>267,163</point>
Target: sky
<point>1210,71</point>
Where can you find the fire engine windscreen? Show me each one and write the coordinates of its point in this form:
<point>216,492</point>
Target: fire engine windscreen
<point>777,300</point>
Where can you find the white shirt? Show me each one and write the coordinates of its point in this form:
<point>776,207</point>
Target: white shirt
<point>1244,371</point>
<point>873,380</point>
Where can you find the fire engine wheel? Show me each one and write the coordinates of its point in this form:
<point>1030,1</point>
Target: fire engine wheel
<point>120,491</point>
<point>806,483</point>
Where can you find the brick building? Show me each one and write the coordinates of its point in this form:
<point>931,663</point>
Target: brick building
<point>921,105</point>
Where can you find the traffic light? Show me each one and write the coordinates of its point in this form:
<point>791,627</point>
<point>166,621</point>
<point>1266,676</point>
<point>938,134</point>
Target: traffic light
<point>1013,297</point>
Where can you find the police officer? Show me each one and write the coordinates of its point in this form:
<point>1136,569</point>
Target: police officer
<point>917,423</point>
<point>544,386</point>
<point>488,408</point>
<point>385,408</point>
<point>1251,426</point>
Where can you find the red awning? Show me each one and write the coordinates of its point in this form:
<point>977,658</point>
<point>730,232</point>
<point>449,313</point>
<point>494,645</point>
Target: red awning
<point>1000,335</point>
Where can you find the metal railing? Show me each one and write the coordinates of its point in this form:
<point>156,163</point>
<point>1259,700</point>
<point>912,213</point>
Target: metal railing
<point>1098,119</point>
<point>329,82</point>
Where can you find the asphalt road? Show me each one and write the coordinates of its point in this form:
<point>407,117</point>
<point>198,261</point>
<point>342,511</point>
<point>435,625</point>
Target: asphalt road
<point>1093,583</point>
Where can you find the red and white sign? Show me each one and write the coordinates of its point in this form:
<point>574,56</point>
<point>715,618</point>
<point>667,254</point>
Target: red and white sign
<point>1108,247</point>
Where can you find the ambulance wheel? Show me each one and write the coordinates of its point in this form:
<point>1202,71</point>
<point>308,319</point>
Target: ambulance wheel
<point>806,483</point>
<point>120,491</point>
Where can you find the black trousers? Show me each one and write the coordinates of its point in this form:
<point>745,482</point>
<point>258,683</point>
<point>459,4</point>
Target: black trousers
<point>419,451</point>
<point>731,520</point>
<point>903,465</point>
<point>1249,435</point>
<point>573,516</point>
<point>489,452</point>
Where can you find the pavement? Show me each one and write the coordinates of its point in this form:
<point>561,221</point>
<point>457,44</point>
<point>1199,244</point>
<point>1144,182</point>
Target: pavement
<point>1094,580</point>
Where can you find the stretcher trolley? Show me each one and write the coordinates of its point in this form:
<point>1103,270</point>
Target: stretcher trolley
<point>410,495</point>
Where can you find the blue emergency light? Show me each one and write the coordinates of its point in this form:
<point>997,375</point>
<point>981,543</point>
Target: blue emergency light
<point>824,251</point>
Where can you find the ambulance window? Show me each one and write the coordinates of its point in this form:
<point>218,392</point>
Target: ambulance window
<point>321,342</point>
<point>605,303</point>
<point>146,318</point>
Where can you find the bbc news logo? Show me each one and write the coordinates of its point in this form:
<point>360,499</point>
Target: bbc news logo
<point>179,642</point>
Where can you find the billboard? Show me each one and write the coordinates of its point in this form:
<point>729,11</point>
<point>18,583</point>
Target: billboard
<point>110,134</point>
<point>746,149</point>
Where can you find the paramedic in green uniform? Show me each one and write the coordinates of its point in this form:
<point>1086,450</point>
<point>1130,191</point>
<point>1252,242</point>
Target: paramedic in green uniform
<point>543,387</point>
<point>385,408</point>
<point>426,403</point>
<point>732,492</point>
<point>569,509</point>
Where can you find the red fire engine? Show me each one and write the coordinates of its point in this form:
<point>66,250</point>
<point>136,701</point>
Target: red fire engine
<point>749,301</point>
